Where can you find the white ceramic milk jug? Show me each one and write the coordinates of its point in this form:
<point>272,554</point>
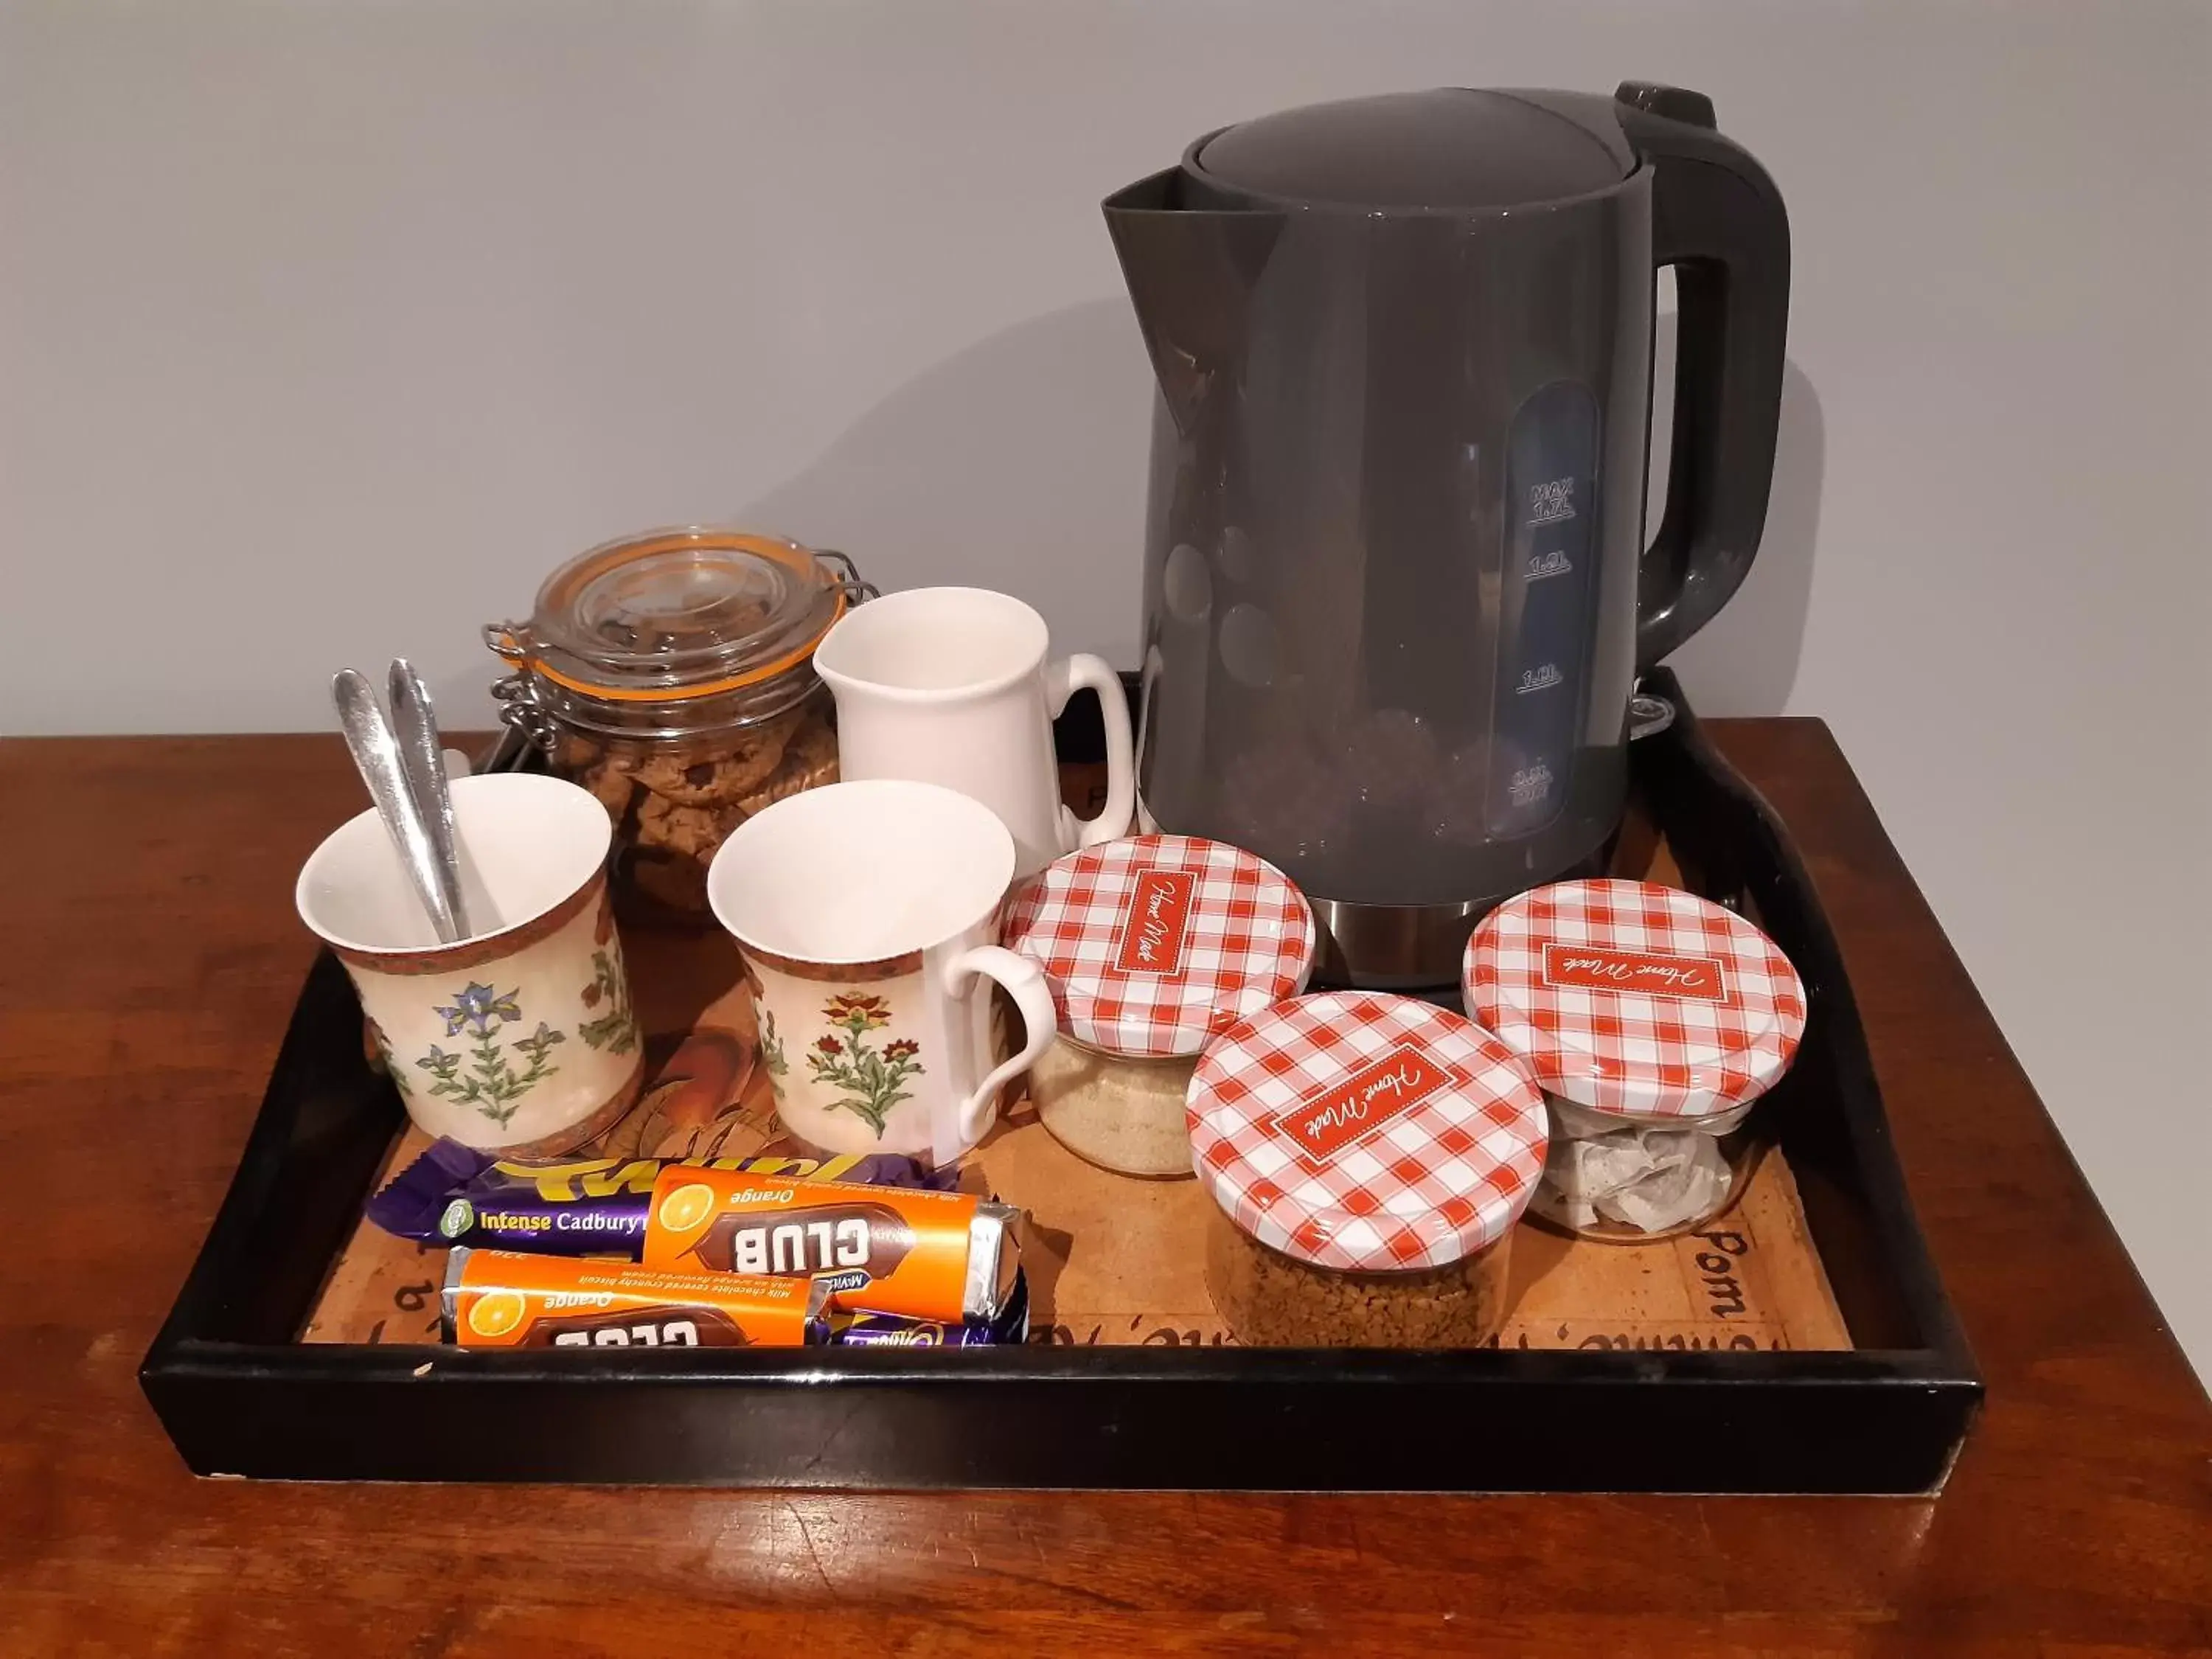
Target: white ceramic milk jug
<point>955,686</point>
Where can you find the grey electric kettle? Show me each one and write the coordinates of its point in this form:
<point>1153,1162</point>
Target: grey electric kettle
<point>1396,586</point>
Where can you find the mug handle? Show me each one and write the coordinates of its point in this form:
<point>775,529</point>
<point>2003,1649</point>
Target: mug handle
<point>1024,982</point>
<point>1063,681</point>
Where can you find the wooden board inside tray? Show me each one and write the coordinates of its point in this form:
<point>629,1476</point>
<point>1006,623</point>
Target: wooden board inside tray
<point>1113,1259</point>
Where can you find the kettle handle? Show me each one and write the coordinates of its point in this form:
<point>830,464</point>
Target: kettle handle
<point>1717,219</point>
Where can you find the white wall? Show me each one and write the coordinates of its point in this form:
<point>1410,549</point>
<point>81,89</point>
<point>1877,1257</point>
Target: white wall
<point>326,330</point>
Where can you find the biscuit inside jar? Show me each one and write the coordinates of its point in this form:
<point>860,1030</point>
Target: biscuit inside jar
<point>679,805</point>
<point>1271,1300</point>
<point>671,674</point>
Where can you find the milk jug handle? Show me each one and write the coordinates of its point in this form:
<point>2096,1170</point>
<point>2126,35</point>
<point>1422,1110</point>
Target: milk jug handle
<point>1063,679</point>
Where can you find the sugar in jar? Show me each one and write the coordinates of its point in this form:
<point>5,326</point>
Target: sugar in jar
<point>1152,944</point>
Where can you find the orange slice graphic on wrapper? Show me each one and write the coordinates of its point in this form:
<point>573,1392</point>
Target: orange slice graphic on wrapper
<point>687,1207</point>
<point>496,1313</point>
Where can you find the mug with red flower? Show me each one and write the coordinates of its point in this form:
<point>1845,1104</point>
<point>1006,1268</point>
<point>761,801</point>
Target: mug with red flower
<point>867,913</point>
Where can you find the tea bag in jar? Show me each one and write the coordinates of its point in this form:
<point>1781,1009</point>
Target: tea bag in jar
<point>1152,945</point>
<point>1653,1020</point>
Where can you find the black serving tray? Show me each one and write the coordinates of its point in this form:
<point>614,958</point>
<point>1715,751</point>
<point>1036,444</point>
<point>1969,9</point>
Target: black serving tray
<point>241,1396</point>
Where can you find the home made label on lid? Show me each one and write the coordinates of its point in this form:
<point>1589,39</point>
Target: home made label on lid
<point>1646,973</point>
<point>1157,923</point>
<point>1323,1124</point>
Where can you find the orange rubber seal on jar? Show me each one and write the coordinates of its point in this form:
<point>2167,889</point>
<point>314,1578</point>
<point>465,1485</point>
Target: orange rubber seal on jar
<point>895,1250</point>
<point>797,559</point>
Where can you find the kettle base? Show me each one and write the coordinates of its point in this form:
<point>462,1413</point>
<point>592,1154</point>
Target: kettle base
<point>1408,947</point>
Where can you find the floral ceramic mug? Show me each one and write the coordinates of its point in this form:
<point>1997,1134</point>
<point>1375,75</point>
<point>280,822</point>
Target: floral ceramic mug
<point>867,913</point>
<point>519,1038</point>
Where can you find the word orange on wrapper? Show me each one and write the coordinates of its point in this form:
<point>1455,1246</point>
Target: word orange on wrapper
<point>927,1255</point>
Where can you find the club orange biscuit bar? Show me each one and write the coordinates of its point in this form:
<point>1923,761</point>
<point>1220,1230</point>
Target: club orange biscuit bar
<point>502,1299</point>
<point>925,1254</point>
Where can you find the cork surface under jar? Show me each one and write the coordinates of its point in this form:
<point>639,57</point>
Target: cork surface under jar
<point>1271,1300</point>
<point>1123,1115</point>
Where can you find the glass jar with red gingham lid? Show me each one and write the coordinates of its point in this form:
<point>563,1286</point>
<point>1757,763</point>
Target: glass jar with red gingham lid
<point>1367,1156</point>
<point>1152,945</point>
<point>1653,1020</point>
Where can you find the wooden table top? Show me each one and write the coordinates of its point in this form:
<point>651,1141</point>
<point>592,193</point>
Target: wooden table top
<point>152,958</point>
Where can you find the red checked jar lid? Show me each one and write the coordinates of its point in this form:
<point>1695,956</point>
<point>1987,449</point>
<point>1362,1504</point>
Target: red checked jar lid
<point>1154,944</point>
<point>1366,1133</point>
<point>1634,999</point>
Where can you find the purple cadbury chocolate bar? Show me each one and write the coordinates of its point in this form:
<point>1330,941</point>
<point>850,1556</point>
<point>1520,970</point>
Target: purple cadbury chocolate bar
<point>578,1207</point>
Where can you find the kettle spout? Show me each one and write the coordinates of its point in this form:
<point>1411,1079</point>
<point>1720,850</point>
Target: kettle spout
<point>1191,272</point>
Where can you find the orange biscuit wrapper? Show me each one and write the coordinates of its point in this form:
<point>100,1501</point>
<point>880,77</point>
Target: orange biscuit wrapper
<point>895,1250</point>
<point>504,1299</point>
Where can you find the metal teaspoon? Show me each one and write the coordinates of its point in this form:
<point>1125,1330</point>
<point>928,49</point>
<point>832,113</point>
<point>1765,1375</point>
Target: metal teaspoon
<point>376,750</point>
<point>422,759</point>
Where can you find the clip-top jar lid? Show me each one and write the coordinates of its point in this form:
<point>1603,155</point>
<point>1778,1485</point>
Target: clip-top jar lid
<point>675,614</point>
<point>1366,1133</point>
<point>1153,944</point>
<point>1631,998</point>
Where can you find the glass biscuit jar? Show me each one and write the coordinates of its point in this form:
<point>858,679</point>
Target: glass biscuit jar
<point>1152,944</point>
<point>672,674</point>
<point>1368,1157</point>
<point>1654,1021</point>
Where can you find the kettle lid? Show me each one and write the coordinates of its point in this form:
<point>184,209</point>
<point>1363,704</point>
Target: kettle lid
<point>1452,149</point>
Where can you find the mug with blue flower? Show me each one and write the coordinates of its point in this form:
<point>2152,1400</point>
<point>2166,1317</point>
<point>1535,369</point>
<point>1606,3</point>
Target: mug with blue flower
<point>520,1037</point>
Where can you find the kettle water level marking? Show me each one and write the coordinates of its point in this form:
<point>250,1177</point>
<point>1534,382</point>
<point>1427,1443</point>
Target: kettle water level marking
<point>1546,623</point>
<point>1530,784</point>
<point>1552,502</point>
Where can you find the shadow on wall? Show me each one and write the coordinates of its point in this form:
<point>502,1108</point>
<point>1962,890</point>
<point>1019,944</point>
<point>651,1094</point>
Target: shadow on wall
<point>1017,464</point>
<point>1745,661</point>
